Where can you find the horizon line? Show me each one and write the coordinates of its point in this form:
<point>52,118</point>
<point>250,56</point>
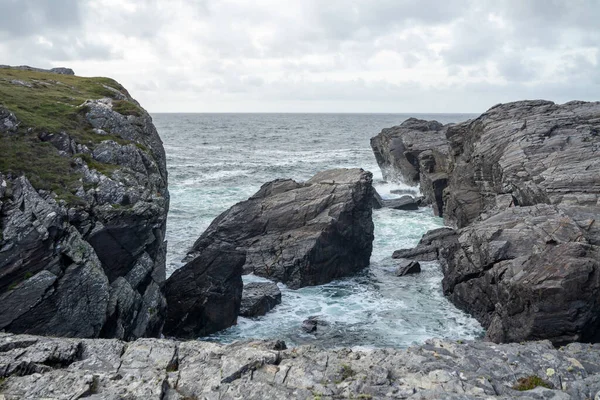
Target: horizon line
<point>312,112</point>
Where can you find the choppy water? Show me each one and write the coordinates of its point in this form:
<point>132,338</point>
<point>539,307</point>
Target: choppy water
<point>217,160</point>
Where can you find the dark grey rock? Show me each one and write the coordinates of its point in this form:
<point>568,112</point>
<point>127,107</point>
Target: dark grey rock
<point>521,184</point>
<point>258,298</point>
<point>38,367</point>
<point>402,203</point>
<point>403,152</point>
<point>301,233</point>
<point>312,324</point>
<point>204,295</point>
<point>406,267</point>
<point>93,266</point>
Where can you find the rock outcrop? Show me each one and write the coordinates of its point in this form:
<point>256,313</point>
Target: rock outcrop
<point>37,367</point>
<point>301,234</point>
<point>258,298</point>
<point>297,233</point>
<point>83,205</point>
<point>523,189</point>
<point>404,151</point>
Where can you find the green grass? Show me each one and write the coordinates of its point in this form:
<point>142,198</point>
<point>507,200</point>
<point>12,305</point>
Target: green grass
<point>54,104</point>
<point>531,382</point>
<point>126,108</point>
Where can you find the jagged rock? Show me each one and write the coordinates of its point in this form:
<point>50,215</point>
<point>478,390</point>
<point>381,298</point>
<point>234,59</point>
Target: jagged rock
<point>404,151</point>
<point>527,272</point>
<point>8,121</point>
<point>301,233</point>
<point>204,295</point>
<point>406,267</point>
<point>258,298</point>
<point>38,367</point>
<point>84,254</point>
<point>312,324</point>
<point>429,246</point>
<point>521,182</point>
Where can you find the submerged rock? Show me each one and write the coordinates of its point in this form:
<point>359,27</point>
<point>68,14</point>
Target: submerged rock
<point>521,184</point>
<point>258,298</point>
<point>312,324</point>
<point>300,234</point>
<point>406,267</point>
<point>82,211</point>
<point>38,367</point>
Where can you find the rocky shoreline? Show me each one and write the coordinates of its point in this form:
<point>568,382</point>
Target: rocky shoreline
<point>83,205</point>
<point>521,186</point>
<point>50,368</point>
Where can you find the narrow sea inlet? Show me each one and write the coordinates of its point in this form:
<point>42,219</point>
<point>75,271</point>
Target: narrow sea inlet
<point>217,160</point>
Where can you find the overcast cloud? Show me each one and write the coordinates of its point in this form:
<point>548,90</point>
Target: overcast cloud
<point>316,55</point>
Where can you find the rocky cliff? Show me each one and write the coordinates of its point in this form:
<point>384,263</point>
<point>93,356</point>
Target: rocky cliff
<point>521,184</point>
<point>36,367</point>
<point>83,205</point>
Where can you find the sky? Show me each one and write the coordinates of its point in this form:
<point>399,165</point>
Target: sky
<point>384,56</point>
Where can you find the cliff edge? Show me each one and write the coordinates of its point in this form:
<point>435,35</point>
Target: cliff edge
<point>83,206</point>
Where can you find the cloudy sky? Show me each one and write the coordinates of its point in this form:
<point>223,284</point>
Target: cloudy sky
<point>316,55</point>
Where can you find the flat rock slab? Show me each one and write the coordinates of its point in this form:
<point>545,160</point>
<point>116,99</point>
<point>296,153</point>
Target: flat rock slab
<point>258,298</point>
<point>37,367</point>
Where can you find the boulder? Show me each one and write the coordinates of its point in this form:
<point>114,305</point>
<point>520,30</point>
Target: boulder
<point>406,267</point>
<point>82,210</point>
<point>204,295</point>
<point>312,324</point>
<point>258,298</point>
<point>520,183</point>
<point>300,234</point>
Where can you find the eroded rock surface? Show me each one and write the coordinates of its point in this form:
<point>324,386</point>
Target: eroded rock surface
<point>523,187</point>
<point>82,250</point>
<point>37,367</point>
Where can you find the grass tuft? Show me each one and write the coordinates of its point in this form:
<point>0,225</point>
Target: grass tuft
<point>531,382</point>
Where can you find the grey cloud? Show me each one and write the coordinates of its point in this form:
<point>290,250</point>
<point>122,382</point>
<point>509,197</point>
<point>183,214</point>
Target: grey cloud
<point>34,17</point>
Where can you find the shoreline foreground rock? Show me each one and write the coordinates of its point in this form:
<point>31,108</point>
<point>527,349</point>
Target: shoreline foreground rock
<point>301,234</point>
<point>521,185</point>
<point>83,207</point>
<point>51,368</point>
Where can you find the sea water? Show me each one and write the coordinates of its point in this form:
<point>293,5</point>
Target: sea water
<point>217,160</point>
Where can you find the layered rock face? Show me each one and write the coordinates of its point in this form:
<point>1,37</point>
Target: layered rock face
<point>403,151</point>
<point>297,233</point>
<point>83,205</point>
<point>36,367</point>
<point>523,189</point>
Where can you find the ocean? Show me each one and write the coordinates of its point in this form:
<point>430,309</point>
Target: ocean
<point>217,160</point>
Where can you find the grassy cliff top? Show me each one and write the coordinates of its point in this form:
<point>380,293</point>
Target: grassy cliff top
<point>45,102</point>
